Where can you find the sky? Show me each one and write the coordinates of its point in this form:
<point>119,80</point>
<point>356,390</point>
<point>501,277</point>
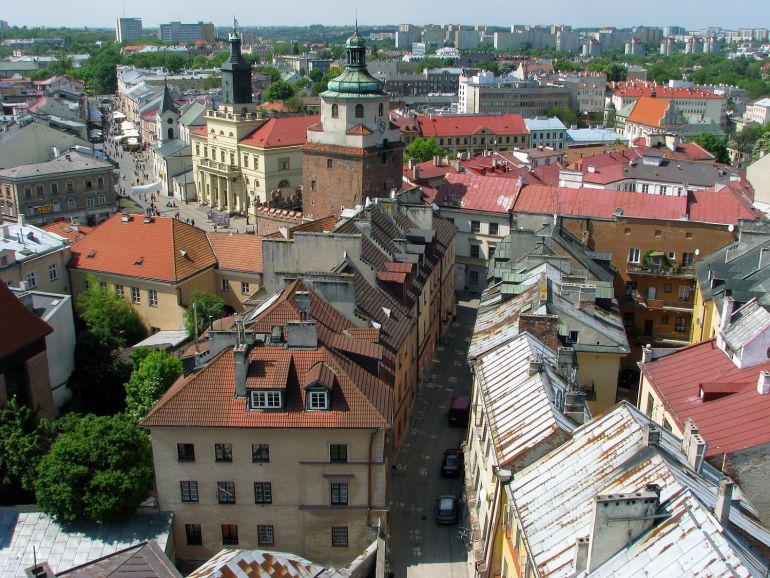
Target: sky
<point>691,14</point>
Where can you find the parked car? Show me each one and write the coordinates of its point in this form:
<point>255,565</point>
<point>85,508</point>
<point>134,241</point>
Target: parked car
<point>452,464</point>
<point>447,509</point>
<point>459,409</point>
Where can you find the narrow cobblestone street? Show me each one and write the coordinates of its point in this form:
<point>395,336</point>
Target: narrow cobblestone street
<point>418,547</point>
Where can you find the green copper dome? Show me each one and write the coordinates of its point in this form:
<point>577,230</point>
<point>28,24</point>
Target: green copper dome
<point>355,81</point>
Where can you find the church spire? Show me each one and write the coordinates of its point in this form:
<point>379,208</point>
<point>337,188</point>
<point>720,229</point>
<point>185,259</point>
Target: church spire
<point>236,72</point>
<point>167,103</point>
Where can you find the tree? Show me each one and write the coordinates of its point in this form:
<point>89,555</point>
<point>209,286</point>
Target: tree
<point>617,72</point>
<point>715,145</point>
<point>24,445</point>
<point>565,115</point>
<point>422,149</point>
<point>206,308</point>
<point>295,104</point>
<point>109,317</point>
<point>279,90</point>
<point>99,468</point>
<point>153,374</point>
<point>762,146</point>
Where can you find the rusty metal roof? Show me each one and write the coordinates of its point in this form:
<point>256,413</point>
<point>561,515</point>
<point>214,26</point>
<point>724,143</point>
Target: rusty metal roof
<point>238,563</point>
<point>554,500</point>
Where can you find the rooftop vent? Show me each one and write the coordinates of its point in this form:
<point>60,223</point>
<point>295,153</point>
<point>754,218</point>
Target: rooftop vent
<point>125,218</point>
<point>92,254</point>
<point>147,220</point>
<point>183,253</point>
<point>139,261</point>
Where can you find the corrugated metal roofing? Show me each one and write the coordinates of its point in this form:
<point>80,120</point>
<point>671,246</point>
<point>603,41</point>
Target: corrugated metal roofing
<point>478,193</point>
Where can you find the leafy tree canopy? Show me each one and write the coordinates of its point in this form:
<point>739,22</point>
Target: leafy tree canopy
<point>715,145</point>
<point>99,468</point>
<point>565,115</point>
<point>279,90</point>
<point>153,374</point>
<point>109,317</point>
<point>424,149</point>
<point>206,308</point>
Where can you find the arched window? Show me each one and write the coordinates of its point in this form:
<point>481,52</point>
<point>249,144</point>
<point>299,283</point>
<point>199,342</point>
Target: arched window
<point>72,203</point>
<point>170,133</point>
<point>335,111</point>
<point>380,111</point>
<point>359,111</point>
<point>283,184</point>
<point>314,186</point>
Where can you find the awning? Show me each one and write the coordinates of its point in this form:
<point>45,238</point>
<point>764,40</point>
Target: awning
<point>151,188</point>
<point>117,115</point>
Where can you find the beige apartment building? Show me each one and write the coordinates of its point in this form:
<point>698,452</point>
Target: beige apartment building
<point>73,186</point>
<point>34,257</point>
<point>278,442</point>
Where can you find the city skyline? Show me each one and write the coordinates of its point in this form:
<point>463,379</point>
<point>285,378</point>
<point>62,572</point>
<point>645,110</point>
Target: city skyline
<point>689,14</point>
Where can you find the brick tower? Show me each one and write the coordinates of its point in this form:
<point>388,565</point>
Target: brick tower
<point>354,152</point>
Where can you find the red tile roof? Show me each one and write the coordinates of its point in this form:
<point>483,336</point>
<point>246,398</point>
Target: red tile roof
<point>281,132</point>
<point>428,170</point>
<point>68,230</point>
<point>359,130</point>
<point>443,126</point>
<point>598,203</point>
<point>20,326</point>
<point>725,207</point>
<point>237,252</point>
<point>478,193</point>
<point>165,249</point>
<point>201,130</point>
<point>648,88</point>
<point>649,111</point>
<point>728,424</point>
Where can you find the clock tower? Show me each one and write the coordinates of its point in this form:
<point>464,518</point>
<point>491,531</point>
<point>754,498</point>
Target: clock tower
<point>236,73</point>
<point>354,152</point>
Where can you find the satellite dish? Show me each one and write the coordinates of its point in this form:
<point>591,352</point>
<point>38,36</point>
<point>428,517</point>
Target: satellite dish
<point>697,252</point>
<point>731,227</point>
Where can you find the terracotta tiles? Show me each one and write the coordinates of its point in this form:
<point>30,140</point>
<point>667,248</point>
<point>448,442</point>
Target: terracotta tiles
<point>237,252</point>
<point>21,326</point>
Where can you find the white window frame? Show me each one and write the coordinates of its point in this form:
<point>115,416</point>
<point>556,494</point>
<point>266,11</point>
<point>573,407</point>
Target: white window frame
<point>244,288</point>
<point>136,295</point>
<point>224,286</point>
<point>119,290</point>
<point>318,400</point>
<point>152,297</point>
<point>53,272</point>
<point>265,400</point>
<point>634,255</point>
<point>32,279</point>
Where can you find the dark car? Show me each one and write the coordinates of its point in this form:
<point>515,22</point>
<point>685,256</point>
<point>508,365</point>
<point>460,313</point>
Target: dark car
<point>447,509</point>
<point>459,409</point>
<point>452,464</point>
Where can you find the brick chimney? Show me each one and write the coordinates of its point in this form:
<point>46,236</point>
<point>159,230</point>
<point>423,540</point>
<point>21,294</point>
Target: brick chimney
<point>724,499</point>
<point>543,327</point>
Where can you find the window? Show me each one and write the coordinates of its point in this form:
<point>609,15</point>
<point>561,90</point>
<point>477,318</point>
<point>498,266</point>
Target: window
<point>380,110</point>
<point>135,297</point>
<point>194,535</point>
<point>688,235</point>
<point>359,111</point>
<point>491,250</point>
<point>283,164</point>
<point>263,493</point>
<point>684,293</point>
<point>473,277</point>
<point>223,452</point>
<point>189,491</point>
<point>255,162</point>
<point>335,111</point>
<point>664,319</point>
<point>493,228</point>
<point>329,163</point>
<point>90,202</point>
<point>72,203</point>
<point>573,337</point>
<point>224,285</point>
<point>339,536</point>
<point>101,199</point>
<point>119,290</point>
<point>663,189</point>
<point>645,188</point>
<point>100,182</point>
<point>229,534</point>
<point>671,255</point>
<point>338,453</point>
<point>103,285</point>
<point>475,227</point>
<point>39,191</point>
<point>339,494</point>
<point>244,288</point>
<point>318,400</point>
<point>152,297</point>
<point>32,279</point>
<point>53,272</point>
<point>628,319</point>
<point>680,326</point>
<point>70,186</point>
<point>54,188</point>
<point>687,259</point>
<point>634,255</point>
<point>658,232</point>
<point>265,535</point>
<point>89,183</point>
<point>627,231</point>
<point>260,453</point>
<point>265,400</point>
<point>226,492</point>
<point>313,185</point>
<point>475,251</point>
<point>27,192</point>
<point>185,452</point>
<point>650,404</point>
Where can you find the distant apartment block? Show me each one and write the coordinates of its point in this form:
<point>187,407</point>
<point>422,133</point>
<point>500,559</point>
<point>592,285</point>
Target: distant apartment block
<point>184,32</point>
<point>486,93</point>
<point>127,29</point>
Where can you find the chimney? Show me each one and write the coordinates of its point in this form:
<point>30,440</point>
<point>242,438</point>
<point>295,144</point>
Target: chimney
<point>534,366</point>
<point>416,172</point>
<point>724,499</point>
<point>651,434</point>
<point>437,160</point>
<point>543,327</point>
<point>412,163</point>
<point>581,554</point>
<point>763,383</point>
<point>565,360</point>
<point>693,445</point>
<point>728,304</point>
<point>647,353</point>
<point>302,334</point>
<point>618,520</point>
<point>302,302</point>
<point>574,404</point>
<point>241,359</point>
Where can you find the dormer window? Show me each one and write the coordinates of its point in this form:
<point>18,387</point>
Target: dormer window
<point>317,399</point>
<point>266,400</point>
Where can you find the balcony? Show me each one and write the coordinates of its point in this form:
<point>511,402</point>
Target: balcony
<point>661,271</point>
<point>681,306</point>
<point>224,169</point>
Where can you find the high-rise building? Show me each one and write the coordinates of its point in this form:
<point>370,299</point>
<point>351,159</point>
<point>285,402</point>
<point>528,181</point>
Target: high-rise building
<point>127,29</point>
<point>183,32</point>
